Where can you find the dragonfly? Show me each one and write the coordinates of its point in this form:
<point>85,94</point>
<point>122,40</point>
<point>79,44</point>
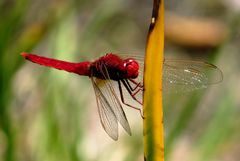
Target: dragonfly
<point>126,73</point>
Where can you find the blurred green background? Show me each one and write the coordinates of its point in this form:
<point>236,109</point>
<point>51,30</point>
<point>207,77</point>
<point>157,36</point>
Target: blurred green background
<point>51,115</point>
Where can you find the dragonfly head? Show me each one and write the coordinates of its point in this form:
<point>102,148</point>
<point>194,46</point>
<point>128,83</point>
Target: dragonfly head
<point>131,68</point>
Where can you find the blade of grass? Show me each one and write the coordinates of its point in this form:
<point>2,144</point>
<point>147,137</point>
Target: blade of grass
<point>10,20</point>
<point>14,38</point>
<point>153,111</point>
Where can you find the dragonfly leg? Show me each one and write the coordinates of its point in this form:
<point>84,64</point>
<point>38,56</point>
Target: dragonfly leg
<point>136,92</point>
<point>138,84</point>
<point>133,95</point>
<point>123,101</point>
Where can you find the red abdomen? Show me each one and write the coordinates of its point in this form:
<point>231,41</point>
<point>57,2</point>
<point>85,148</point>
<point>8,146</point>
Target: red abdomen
<point>81,68</point>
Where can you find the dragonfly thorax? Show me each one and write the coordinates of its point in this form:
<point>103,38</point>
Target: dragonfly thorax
<point>113,67</point>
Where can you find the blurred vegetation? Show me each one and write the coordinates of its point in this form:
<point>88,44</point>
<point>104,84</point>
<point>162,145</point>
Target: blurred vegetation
<point>51,115</point>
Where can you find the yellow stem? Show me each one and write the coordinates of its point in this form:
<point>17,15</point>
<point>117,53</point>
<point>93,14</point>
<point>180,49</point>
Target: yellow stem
<point>152,107</point>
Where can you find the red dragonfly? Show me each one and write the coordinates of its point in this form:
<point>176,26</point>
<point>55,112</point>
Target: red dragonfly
<point>127,72</point>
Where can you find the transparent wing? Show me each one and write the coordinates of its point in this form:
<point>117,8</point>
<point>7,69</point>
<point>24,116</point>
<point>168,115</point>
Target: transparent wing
<point>107,117</point>
<point>108,92</point>
<point>183,75</point>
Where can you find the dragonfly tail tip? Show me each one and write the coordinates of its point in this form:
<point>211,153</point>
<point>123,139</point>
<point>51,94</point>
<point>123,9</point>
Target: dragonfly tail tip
<point>24,54</point>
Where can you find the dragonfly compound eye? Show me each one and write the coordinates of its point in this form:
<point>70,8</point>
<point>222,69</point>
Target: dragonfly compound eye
<point>132,68</point>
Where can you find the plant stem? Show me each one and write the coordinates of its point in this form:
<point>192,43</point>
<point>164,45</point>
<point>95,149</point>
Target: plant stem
<point>152,107</point>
